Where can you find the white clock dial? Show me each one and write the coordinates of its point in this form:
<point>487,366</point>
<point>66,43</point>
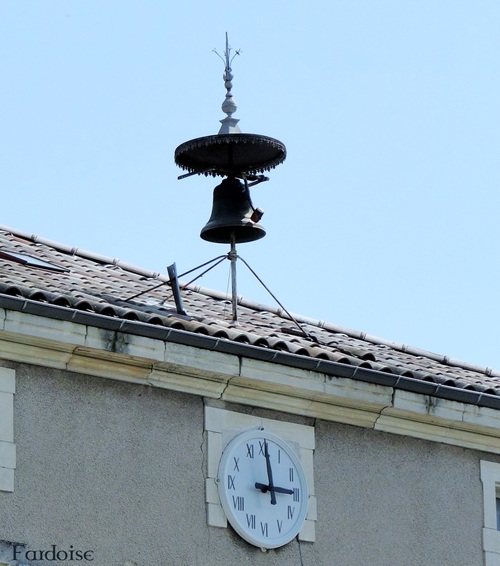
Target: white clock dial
<point>263,488</point>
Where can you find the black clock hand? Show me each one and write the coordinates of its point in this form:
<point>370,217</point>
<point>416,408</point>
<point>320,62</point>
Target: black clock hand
<point>269,473</point>
<point>265,488</point>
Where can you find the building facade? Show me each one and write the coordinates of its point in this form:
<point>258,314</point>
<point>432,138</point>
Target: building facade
<point>116,413</point>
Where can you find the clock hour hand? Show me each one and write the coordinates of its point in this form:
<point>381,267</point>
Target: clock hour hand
<point>265,488</point>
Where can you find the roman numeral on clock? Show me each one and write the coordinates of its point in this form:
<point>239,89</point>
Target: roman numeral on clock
<point>251,521</point>
<point>230,482</point>
<point>262,445</point>
<point>239,503</point>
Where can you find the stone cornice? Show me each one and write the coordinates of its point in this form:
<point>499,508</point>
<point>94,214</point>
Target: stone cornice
<point>340,396</point>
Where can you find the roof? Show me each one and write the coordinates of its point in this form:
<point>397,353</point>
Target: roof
<point>55,280</point>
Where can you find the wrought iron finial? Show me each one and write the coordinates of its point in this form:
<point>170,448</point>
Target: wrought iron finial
<point>229,124</point>
<point>230,153</point>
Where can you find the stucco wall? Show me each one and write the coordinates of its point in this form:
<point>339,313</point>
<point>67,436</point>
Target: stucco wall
<point>395,501</point>
<point>119,469</point>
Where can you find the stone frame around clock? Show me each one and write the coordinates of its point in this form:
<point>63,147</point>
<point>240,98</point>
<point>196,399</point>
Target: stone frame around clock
<point>221,426</point>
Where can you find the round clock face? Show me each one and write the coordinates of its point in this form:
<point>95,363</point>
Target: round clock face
<point>263,488</point>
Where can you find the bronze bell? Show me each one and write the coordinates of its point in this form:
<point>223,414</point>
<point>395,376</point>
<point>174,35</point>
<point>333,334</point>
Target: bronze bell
<point>233,213</point>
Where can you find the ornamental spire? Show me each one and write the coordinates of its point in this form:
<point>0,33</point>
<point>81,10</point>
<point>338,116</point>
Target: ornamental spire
<point>229,124</point>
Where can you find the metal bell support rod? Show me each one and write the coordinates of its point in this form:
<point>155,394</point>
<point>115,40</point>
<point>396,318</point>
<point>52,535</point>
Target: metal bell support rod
<point>218,259</point>
<point>233,256</point>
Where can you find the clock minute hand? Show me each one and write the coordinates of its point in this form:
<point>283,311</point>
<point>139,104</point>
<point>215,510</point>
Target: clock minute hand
<point>269,473</point>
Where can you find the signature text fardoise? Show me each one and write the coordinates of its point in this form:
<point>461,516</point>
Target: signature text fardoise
<point>53,553</point>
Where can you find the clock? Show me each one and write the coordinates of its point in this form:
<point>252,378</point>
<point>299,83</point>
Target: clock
<point>263,488</point>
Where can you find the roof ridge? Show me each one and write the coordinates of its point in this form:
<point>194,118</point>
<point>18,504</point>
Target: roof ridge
<point>85,254</point>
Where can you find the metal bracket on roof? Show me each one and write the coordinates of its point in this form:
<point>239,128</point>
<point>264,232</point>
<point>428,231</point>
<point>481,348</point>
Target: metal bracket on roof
<point>174,283</point>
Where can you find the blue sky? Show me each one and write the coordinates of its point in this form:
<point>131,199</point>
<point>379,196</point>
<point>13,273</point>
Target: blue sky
<point>384,216</point>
